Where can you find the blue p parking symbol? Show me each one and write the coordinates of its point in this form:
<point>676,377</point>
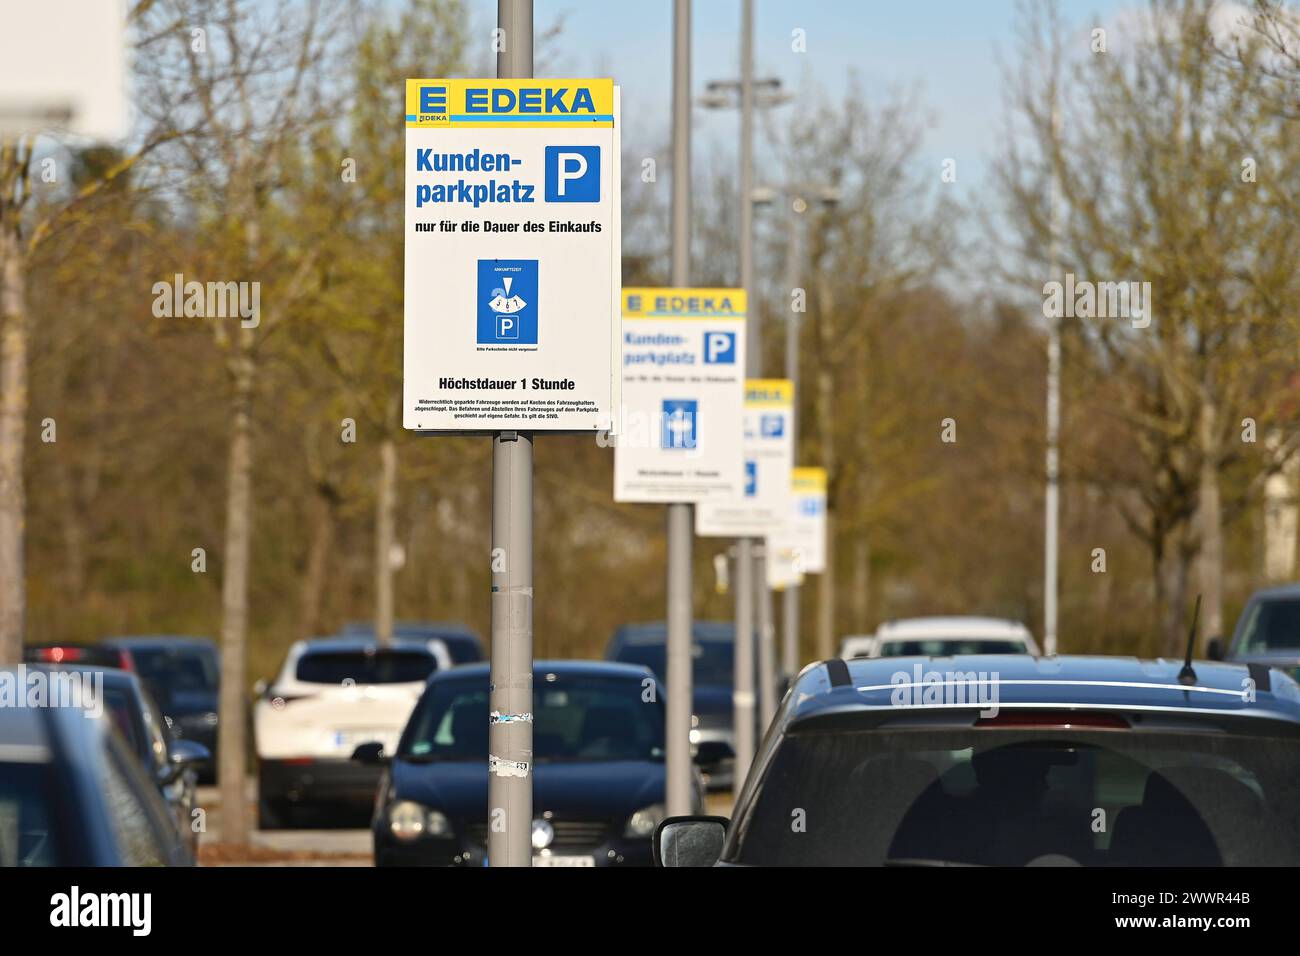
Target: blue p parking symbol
<point>573,174</point>
<point>719,348</point>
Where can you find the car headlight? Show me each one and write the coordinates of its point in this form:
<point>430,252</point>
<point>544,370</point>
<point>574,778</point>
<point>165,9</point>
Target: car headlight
<point>643,822</point>
<point>408,820</point>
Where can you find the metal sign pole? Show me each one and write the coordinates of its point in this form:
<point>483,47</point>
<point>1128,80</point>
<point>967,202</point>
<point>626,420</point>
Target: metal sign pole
<point>510,731</point>
<point>681,520</point>
<point>743,692</point>
<point>766,640</point>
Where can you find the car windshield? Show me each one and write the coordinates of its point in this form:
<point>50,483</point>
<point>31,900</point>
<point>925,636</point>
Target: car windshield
<point>172,670</point>
<point>587,718</point>
<point>949,647</point>
<point>1272,626</point>
<point>1006,798</point>
<point>366,667</point>
<point>26,813</point>
<point>712,660</point>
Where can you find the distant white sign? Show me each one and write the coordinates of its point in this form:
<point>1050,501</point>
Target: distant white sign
<point>512,255</point>
<point>764,504</point>
<point>800,547</point>
<point>63,68</point>
<point>679,438</point>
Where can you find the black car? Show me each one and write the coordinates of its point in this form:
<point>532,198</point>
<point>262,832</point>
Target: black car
<point>463,644</point>
<point>72,793</point>
<point>1268,631</point>
<point>184,676</point>
<point>1017,761</point>
<point>172,764</point>
<point>712,677</point>
<point>598,777</point>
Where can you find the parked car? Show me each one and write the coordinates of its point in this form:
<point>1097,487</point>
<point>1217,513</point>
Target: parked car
<point>171,763</point>
<point>332,694</point>
<point>1267,632</point>
<point>712,681</point>
<point>99,655</point>
<point>598,772</point>
<point>184,676</point>
<point>1066,761</point>
<point>462,643</point>
<point>941,637</point>
<point>73,794</point>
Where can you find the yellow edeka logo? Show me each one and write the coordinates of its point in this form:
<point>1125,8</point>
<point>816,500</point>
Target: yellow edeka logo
<point>769,391</point>
<point>470,101</point>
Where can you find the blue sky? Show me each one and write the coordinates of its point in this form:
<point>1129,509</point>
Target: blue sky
<point>949,51</point>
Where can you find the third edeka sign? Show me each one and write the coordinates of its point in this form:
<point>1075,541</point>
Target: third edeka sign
<point>512,255</point>
<point>683,360</point>
<point>764,504</point>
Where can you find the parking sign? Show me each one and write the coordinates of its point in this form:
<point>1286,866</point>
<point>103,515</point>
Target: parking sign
<point>512,255</point>
<point>764,501</point>
<point>683,395</point>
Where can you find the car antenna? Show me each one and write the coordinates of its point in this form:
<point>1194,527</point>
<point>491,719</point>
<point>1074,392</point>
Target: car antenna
<point>1187,675</point>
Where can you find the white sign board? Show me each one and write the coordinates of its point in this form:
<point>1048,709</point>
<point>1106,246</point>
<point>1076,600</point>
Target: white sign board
<point>800,547</point>
<point>683,395</point>
<point>63,68</point>
<point>764,504</point>
<point>512,255</point>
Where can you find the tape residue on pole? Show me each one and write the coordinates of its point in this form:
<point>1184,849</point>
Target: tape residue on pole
<point>507,768</point>
<point>497,717</point>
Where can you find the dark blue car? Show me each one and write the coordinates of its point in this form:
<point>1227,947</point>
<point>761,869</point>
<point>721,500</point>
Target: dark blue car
<point>184,676</point>
<point>598,774</point>
<point>1005,760</point>
<point>712,676</point>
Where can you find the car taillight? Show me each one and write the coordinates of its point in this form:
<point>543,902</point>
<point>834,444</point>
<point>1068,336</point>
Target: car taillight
<point>1062,719</point>
<point>58,655</point>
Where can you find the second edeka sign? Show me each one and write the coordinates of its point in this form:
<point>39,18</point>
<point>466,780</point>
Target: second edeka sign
<point>764,503</point>
<point>683,360</point>
<point>512,255</point>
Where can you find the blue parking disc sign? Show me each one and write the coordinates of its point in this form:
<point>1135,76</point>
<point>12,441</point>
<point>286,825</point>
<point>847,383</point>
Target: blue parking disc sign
<point>681,423</point>
<point>507,302</point>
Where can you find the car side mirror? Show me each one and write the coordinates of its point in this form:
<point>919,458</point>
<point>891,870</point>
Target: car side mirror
<point>371,752</point>
<point>690,841</point>
<point>1214,649</point>
<point>185,755</point>
<point>712,751</point>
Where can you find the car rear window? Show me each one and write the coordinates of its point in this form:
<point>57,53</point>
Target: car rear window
<point>28,836</point>
<point>365,667</point>
<point>1270,626</point>
<point>1007,798</point>
<point>949,647</point>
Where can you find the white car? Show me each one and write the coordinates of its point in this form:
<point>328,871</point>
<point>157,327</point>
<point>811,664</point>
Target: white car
<point>332,695</point>
<point>942,637</point>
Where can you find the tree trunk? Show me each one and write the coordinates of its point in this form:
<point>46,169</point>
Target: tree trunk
<point>386,502</point>
<point>234,597</point>
<point>861,585</point>
<point>318,555</point>
<point>1210,520</point>
<point>1281,516</point>
<point>13,421</point>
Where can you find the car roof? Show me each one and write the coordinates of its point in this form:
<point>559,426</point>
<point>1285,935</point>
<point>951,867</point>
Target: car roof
<point>656,632</point>
<point>564,668</point>
<point>914,628</point>
<point>363,643</point>
<point>1083,682</point>
<point>1279,591</point>
<point>134,641</point>
<point>113,677</point>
